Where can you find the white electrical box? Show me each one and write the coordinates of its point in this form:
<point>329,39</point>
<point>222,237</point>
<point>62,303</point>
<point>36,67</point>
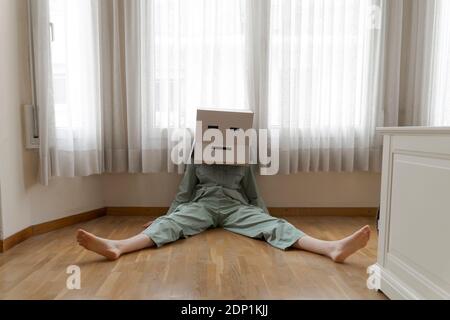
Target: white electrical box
<point>31,127</point>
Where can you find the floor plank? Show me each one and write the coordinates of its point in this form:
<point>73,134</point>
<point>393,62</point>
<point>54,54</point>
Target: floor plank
<point>214,265</point>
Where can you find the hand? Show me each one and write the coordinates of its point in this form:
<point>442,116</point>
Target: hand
<point>148,224</point>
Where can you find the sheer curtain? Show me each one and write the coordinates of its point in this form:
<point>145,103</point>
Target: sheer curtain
<point>325,62</point>
<point>40,20</point>
<point>68,92</point>
<point>418,40</point>
<point>117,78</point>
<point>76,147</point>
<point>187,54</point>
<point>426,83</point>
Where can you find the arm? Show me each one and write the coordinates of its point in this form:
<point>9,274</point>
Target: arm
<point>185,189</point>
<point>251,189</point>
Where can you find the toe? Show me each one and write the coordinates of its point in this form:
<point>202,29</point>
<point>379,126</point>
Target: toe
<point>80,233</point>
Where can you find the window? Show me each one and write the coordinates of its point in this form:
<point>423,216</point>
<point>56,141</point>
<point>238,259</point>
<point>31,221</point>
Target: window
<point>75,70</point>
<point>198,56</point>
<point>59,57</point>
<point>323,64</point>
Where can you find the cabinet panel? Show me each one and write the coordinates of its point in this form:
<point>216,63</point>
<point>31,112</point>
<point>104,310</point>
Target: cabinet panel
<point>419,230</point>
<point>414,238</point>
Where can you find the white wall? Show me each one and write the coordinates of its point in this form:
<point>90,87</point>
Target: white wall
<point>322,190</point>
<point>300,190</point>
<point>11,165</point>
<point>23,200</point>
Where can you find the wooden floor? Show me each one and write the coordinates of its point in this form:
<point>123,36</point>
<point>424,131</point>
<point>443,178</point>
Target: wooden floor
<point>214,265</point>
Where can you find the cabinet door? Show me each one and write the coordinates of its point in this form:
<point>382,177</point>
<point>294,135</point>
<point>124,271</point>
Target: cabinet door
<point>418,235</point>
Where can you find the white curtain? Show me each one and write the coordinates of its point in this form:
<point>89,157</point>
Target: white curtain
<point>43,78</point>
<point>426,83</point>
<point>122,76</point>
<point>76,148</point>
<point>417,42</point>
<point>325,62</point>
<point>184,54</point>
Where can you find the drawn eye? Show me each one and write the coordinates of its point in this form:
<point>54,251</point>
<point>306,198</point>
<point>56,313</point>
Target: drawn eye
<point>234,129</point>
<point>213,127</point>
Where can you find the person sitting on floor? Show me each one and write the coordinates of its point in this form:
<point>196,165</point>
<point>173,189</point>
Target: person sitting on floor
<point>212,196</point>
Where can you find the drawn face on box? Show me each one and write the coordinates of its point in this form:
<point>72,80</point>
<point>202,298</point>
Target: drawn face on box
<point>224,137</point>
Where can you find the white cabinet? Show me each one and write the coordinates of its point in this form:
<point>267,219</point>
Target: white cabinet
<point>414,226</point>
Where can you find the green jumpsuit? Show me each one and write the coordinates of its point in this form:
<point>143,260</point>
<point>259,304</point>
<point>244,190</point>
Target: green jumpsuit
<point>212,196</point>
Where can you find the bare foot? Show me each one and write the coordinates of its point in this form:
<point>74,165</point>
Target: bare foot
<point>348,246</point>
<point>104,247</point>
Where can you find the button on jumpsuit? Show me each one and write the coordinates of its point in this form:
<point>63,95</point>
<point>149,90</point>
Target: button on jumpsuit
<point>212,196</point>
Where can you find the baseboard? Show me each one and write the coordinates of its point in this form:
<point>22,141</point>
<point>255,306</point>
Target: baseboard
<point>277,212</point>
<point>324,212</point>
<point>16,238</point>
<point>41,228</point>
<point>136,211</point>
<point>67,221</point>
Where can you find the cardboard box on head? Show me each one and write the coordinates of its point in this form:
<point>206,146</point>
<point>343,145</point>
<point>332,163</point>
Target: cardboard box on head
<point>223,137</point>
